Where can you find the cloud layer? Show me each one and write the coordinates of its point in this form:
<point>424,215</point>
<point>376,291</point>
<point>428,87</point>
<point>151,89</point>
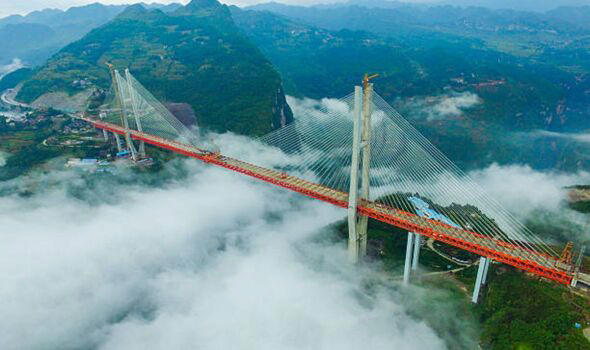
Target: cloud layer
<point>14,65</point>
<point>579,137</point>
<point>445,106</point>
<point>522,190</point>
<point>214,261</point>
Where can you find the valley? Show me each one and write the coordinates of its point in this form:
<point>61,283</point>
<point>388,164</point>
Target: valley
<point>504,94</point>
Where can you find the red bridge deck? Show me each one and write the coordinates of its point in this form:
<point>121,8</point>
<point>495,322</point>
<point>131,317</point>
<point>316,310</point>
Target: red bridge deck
<point>524,259</point>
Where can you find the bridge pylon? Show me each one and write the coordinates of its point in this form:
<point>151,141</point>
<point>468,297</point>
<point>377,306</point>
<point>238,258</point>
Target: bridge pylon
<point>357,224</point>
<point>135,109</point>
<point>121,104</point>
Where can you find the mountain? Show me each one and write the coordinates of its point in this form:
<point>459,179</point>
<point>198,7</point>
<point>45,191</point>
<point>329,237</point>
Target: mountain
<point>13,78</point>
<point>425,70</point>
<point>411,63</point>
<point>458,20</point>
<point>193,55</point>
<point>521,5</point>
<point>35,37</point>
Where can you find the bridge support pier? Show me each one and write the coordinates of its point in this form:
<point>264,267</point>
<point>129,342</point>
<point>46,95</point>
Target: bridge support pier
<point>482,271</point>
<point>408,264</point>
<point>485,271</point>
<point>416,256</point>
<point>119,144</point>
<point>105,134</point>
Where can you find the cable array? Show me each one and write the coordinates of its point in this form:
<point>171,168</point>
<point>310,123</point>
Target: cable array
<point>407,171</point>
<point>145,113</point>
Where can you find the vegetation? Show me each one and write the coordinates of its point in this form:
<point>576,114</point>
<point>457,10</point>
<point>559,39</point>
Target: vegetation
<point>12,79</point>
<point>194,55</point>
<point>523,312</point>
<point>516,311</point>
<point>25,148</point>
<point>37,36</point>
<point>420,64</point>
<point>581,206</point>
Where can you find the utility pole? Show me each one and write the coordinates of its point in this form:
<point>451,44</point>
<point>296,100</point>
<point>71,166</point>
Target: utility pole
<point>357,225</point>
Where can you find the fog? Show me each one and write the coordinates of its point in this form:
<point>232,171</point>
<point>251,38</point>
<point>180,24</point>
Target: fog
<point>14,65</point>
<point>447,106</point>
<point>578,137</point>
<point>522,190</point>
<point>207,259</point>
<point>199,257</point>
<point>538,199</point>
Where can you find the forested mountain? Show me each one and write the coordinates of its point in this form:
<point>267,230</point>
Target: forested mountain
<point>35,37</point>
<point>193,55</point>
<point>504,98</point>
<point>522,5</point>
<point>509,85</point>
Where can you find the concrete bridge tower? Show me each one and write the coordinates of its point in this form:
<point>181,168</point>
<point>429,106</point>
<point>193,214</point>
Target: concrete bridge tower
<point>357,224</point>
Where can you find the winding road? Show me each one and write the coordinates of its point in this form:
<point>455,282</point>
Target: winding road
<point>8,98</point>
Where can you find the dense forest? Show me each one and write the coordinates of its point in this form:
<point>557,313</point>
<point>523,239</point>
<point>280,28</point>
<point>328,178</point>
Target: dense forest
<point>194,55</point>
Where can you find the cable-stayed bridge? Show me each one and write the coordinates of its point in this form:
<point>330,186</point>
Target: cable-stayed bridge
<point>360,154</point>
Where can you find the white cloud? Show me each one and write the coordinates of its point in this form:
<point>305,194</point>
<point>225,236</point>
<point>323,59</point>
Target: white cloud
<point>213,261</point>
<point>579,137</point>
<point>521,190</point>
<point>539,199</point>
<point>454,105</point>
<point>14,65</point>
<point>444,106</point>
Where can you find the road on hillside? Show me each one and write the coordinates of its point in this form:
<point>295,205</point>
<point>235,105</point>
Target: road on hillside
<point>8,98</point>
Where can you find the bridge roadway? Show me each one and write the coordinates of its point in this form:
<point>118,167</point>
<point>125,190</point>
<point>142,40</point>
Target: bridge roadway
<point>525,259</point>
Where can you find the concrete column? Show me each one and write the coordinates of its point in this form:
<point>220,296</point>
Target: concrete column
<point>480,271</point>
<point>353,241</point>
<point>485,271</point>
<point>119,144</point>
<point>409,248</point>
<point>416,256</point>
<point>106,135</point>
<point>366,167</point>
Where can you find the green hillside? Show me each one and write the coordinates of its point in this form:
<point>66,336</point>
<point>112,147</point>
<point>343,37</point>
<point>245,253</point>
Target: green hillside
<point>422,65</point>
<point>193,55</point>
